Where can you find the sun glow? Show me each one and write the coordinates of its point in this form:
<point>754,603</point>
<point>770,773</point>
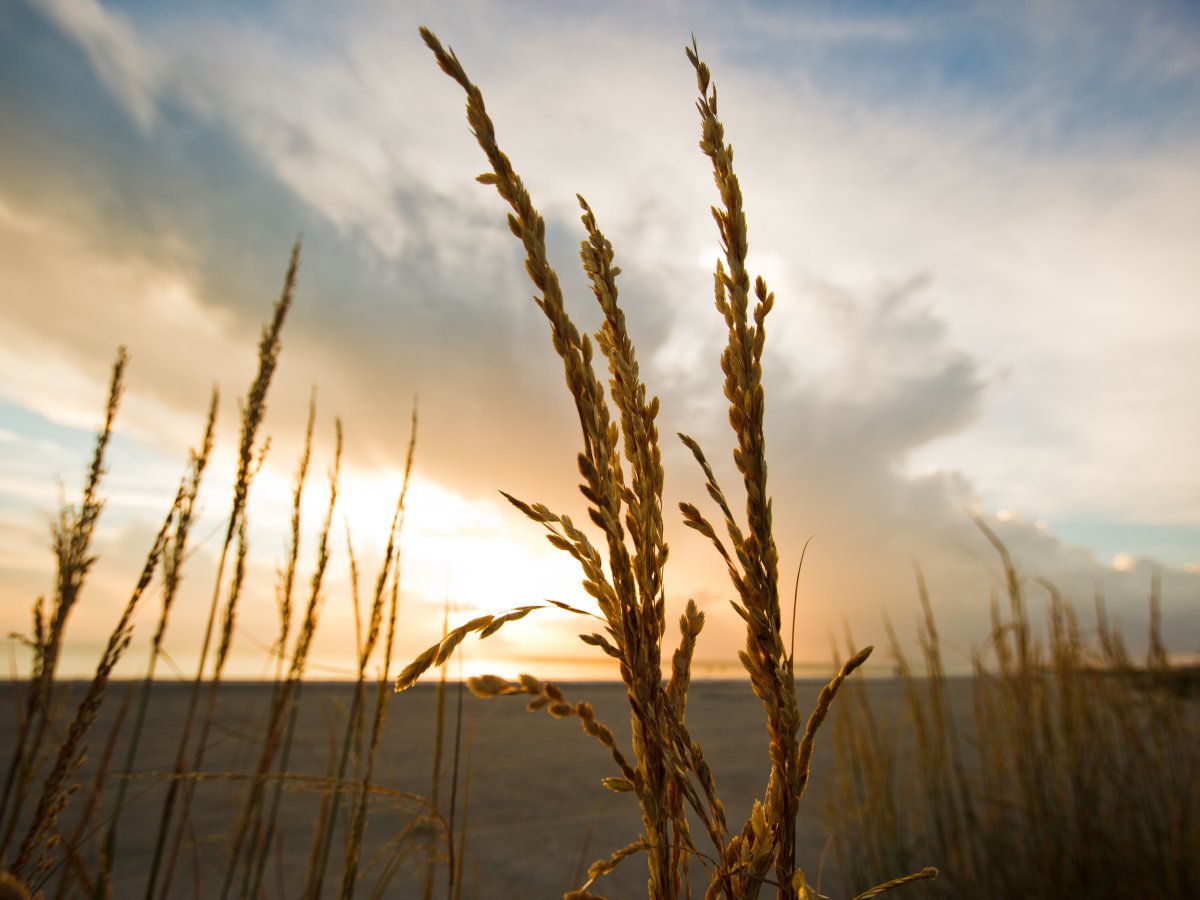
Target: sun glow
<point>1124,562</point>
<point>478,555</point>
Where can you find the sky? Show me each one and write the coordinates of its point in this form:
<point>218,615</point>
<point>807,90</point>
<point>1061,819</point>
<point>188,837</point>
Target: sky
<point>979,221</point>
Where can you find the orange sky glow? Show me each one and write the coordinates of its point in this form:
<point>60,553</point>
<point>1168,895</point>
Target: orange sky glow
<point>979,227</point>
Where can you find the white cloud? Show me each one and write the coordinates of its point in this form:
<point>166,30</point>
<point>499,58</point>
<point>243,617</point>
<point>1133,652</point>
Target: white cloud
<point>120,58</point>
<point>65,323</point>
<point>961,285</point>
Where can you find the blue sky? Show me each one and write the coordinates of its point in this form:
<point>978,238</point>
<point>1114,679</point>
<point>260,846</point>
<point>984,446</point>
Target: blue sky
<point>978,219</point>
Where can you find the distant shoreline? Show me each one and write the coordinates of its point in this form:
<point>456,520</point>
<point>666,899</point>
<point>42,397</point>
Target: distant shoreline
<point>1181,679</point>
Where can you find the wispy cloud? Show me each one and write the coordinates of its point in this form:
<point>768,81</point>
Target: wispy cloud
<point>112,45</point>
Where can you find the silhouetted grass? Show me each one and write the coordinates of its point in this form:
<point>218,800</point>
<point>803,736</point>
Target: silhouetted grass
<point>664,770</point>
<point>38,852</point>
<point>1078,777</point>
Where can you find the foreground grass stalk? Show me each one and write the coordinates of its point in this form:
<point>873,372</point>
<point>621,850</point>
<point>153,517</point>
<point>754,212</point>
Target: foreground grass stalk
<point>72,538</point>
<point>253,411</point>
<point>391,566</point>
<point>758,579</point>
<point>667,772</point>
<point>632,605</point>
<point>288,688</point>
<point>308,629</point>
<point>32,859</point>
<point>431,857</point>
<point>77,876</point>
<point>172,570</point>
<point>282,692</point>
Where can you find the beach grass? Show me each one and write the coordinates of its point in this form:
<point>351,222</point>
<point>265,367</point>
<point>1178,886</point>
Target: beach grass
<point>1073,774</point>
<point>622,479</point>
<point>40,854</point>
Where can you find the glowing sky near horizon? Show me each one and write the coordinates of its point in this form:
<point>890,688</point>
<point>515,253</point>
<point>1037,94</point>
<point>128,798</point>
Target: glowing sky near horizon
<point>979,221</point>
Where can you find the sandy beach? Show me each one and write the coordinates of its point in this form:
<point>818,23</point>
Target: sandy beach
<point>536,812</point>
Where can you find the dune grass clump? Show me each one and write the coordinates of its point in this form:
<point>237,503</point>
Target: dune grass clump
<point>60,833</point>
<point>1077,776</point>
<point>622,481</point>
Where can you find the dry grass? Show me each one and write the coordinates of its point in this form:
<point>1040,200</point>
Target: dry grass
<point>249,461</point>
<point>72,537</point>
<point>1079,777</point>
<point>39,854</point>
<point>622,482</point>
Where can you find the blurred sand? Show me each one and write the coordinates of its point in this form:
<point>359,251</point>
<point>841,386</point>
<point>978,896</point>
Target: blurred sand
<point>537,814</point>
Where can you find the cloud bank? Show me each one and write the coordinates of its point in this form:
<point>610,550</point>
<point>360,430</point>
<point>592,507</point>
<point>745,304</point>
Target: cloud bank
<point>978,228</point>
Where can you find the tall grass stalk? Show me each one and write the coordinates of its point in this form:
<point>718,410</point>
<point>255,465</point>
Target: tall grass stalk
<point>286,692</point>
<point>458,844</point>
<point>172,563</point>
<point>71,542</point>
<point>354,839</point>
<point>283,691</point>
<point>32,859</point>
<point>667,772</point>
<point>439,732</point>
<point>312,611</point>
<point>249,460</point>
<point>88,822</point>
<point>324,832</point>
